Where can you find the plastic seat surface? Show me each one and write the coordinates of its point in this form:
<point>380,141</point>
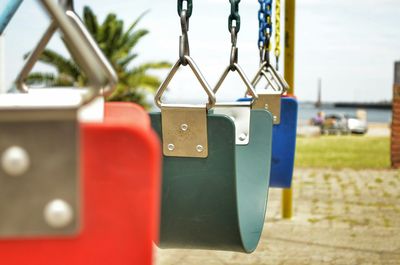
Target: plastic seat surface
<point>283,144</point>
<point>120,168</point>
<point>219,202</point>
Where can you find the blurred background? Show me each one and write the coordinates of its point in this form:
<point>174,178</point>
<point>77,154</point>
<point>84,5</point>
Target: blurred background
<point>349,45</point>
<point>345,195</point>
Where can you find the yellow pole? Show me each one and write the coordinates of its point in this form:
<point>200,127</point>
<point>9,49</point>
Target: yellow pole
<point>290,12</point>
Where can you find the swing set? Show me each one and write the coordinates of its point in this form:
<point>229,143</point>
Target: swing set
<point>99,189</point>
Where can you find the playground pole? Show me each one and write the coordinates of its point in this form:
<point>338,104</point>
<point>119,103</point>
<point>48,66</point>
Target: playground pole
<point>395,135</point>
<point>290,12</point>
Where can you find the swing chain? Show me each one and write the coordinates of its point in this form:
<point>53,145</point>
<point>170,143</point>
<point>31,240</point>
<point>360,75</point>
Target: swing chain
<point>265,29</point>
<point>277,32</point>
<point>234,29</point>
<point>184,49</point>
<point>234,16</point>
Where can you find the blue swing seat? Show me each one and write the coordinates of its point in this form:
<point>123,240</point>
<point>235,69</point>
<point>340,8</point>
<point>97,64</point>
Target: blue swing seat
<point>283,144</point>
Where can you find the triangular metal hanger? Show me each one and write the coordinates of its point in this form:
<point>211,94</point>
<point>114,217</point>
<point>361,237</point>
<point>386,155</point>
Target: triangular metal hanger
<point>185,59</point>
<point>240,112</point>
<point>101,62</point>
<point>235,67</point>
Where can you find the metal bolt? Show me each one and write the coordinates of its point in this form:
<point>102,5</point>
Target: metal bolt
<point>58,214</point>
<point>275,118</point>
<point>266,106</point>
<point>242,137</point>
<point>15,161</point>
<point>171,147</point>
<point>200,148</point>
<point>184,127</point>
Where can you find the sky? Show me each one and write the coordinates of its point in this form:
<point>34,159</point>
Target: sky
<point>350,45</point>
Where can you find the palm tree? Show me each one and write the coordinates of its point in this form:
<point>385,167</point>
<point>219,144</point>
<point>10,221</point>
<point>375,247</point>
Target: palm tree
<point>118,46</point>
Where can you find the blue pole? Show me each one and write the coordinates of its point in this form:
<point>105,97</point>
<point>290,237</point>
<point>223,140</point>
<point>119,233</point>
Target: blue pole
<point>7,11</point>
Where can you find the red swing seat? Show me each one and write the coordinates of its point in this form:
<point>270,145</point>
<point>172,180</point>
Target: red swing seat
<point>120,174</point>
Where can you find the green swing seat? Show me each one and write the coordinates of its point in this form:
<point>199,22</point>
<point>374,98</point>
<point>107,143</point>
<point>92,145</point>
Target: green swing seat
<point>218,202</point>
<point>216,198</point>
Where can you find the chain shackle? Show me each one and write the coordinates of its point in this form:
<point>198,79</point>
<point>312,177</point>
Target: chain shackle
<point>184,13</point>
<point>234,49</point>
<point>189,8</point>
<point>234,16</point>
<point>184,49</point>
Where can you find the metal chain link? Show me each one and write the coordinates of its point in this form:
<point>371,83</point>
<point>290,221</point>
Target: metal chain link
<point>265,29</point>
<point>234,16</point>
<point>277,32</point>
<point>189,8</point>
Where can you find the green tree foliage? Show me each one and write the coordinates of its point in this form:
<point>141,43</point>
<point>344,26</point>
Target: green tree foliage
<point>118,45</point>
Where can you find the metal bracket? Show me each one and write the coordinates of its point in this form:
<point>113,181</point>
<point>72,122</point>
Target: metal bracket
<point>240,114</point>
<point>39,172</point>
<point>184,131</point>
<point>270,102</point>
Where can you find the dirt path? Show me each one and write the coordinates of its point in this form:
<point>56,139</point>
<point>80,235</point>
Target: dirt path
<point>341,217</point>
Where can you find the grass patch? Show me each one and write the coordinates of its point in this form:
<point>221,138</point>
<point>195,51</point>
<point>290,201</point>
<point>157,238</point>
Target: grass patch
<point>379,180</point>
<point>343,152</point>
<point>313,220</point>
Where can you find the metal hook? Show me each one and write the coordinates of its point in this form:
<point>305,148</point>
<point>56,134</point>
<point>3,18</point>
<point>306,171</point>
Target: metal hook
<point>234,51</point>
<point>184,49</point>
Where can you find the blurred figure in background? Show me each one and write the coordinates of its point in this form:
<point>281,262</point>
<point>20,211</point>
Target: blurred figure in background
<point>319,119</point>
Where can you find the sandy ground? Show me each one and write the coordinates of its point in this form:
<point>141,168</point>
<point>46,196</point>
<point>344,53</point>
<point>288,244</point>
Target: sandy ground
<point>378,129</point>
<point>341,217</point>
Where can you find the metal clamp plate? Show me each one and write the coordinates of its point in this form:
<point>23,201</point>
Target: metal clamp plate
<point>184,131</point>
<point>40,189</point>
<point>270,102</point>
<point>240,114</point>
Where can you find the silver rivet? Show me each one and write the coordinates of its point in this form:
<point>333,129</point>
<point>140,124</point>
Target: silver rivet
<point>266,106</point>
<point>15,161</point>
<point>243,137</point>
<point>200,148</point>
<point>171,147</point>
<point>275,118</point>
<point>58,214</point>
<point>184,127</point>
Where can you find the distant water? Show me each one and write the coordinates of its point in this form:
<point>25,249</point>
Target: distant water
<point>308,111</point>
